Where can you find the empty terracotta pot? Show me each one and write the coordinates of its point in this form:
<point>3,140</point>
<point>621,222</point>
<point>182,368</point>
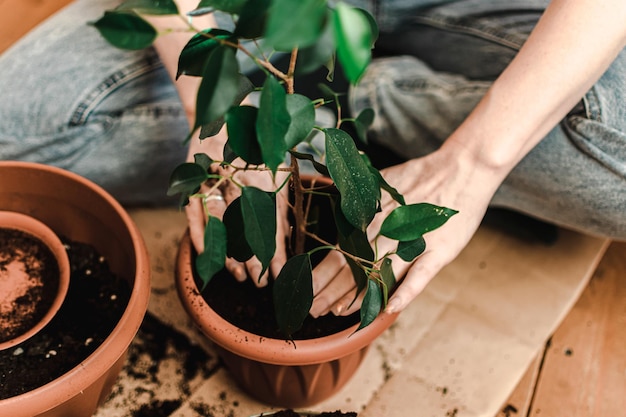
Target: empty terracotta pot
<point>30,275</point>
<point>82,211</point>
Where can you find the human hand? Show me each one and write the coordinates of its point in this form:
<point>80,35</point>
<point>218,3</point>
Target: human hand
<point>219,194</point>
<point>217,198</point>
<point>442,178</point>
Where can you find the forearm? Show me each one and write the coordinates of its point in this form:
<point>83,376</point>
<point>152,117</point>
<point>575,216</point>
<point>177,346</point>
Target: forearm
<point>572,45</point>
<point>174,33</point>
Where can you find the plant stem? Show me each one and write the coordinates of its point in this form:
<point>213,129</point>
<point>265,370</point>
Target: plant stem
<point>263,62</point>
<point>361,261</point>
<point>291,71</point>
<point>298,208</point>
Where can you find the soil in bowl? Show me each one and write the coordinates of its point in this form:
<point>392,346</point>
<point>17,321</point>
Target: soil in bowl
<point>95,302</point>
<point>29,280</point>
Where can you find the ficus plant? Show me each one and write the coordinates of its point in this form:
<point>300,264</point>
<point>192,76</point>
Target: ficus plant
<point>313,34</point>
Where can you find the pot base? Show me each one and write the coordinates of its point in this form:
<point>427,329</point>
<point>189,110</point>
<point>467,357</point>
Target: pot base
<point>297,386</point>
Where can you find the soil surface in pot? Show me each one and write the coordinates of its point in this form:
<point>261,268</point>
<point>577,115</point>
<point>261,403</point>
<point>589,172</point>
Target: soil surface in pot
<point>251,309</point>
<point>29,280</point>
<point>95,302</point>
<point>291,413</point>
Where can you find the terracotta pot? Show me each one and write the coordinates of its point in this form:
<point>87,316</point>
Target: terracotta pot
<point>80,210</point>
<point>273,370</point>
<point>38,230</point>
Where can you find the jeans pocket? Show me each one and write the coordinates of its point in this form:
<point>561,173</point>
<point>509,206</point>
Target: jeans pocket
<point>604,144</point>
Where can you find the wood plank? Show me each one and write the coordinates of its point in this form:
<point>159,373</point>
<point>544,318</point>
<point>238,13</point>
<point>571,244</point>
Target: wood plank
<point>520,401</point>
<point>17,17</point>
<point>584,373</point>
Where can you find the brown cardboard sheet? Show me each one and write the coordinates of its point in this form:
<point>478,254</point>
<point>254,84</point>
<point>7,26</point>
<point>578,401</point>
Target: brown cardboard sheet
<point>458,350</point>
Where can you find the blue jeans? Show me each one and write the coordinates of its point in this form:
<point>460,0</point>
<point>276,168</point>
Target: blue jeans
<point>71,100</point>
<point>436,62</point>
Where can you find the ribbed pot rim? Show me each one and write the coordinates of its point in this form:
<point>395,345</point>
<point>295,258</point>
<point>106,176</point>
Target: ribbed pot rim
<point>261,348</point>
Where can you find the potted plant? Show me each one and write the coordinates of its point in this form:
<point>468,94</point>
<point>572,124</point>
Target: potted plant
<point>107,256</point>
<point>312,34</point>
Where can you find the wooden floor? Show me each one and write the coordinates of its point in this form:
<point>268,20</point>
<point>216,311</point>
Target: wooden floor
<point>582,370</point>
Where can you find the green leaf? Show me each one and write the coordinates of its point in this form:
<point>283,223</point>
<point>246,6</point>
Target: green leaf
<point>358,187</point>
<point>293,293</point>
<point>360,277</point>
<point>227,6</point>
<point>318,54</point>
<point>197,51</point>
<point>321,168</point>
<point>213,128</point>
<point>388,279</point>
<point>253,19</point>
<point>258,209</point>
<point>399,198</point>
<point>372,22</point>
<point>211,261</point>
<point>353,37</point>
<point>203,160</point>
<point>407,223</point>
<point>409,250</point>
<point>200,11</point>
<point>302,113</point>
<point>229,154</point>
<point>241,126</point>
<point>125,30</point>
<point>351,239</point>
<point>355,242</point>
<point>219,87</point>
<point>328,93</point>
<point>272,123</point>
<point>187,178</point>
<point>363,122</point>
<point>295,23</point>
<point>237,247</point>
<point>152,7</point>
<point>372,304</point>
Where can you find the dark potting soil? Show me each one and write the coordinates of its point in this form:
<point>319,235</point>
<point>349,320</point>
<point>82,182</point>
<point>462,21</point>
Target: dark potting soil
<point>95,302</point>
<point>251,308</point>
<point>291,413</point>
<point>29,280</point>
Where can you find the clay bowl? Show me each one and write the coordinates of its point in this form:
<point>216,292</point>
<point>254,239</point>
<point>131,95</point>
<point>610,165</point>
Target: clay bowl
<point>35,278</point>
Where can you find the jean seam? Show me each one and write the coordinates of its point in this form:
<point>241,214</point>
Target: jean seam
<point>426,85</point>
<point>124,75</point>
<point>592,105</point>
<point>471,27</point>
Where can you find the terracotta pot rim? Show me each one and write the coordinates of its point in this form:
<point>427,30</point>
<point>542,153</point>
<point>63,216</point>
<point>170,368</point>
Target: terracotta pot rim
<point>78,378</point>
<point>264,349</point>
<point>36,228</point>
